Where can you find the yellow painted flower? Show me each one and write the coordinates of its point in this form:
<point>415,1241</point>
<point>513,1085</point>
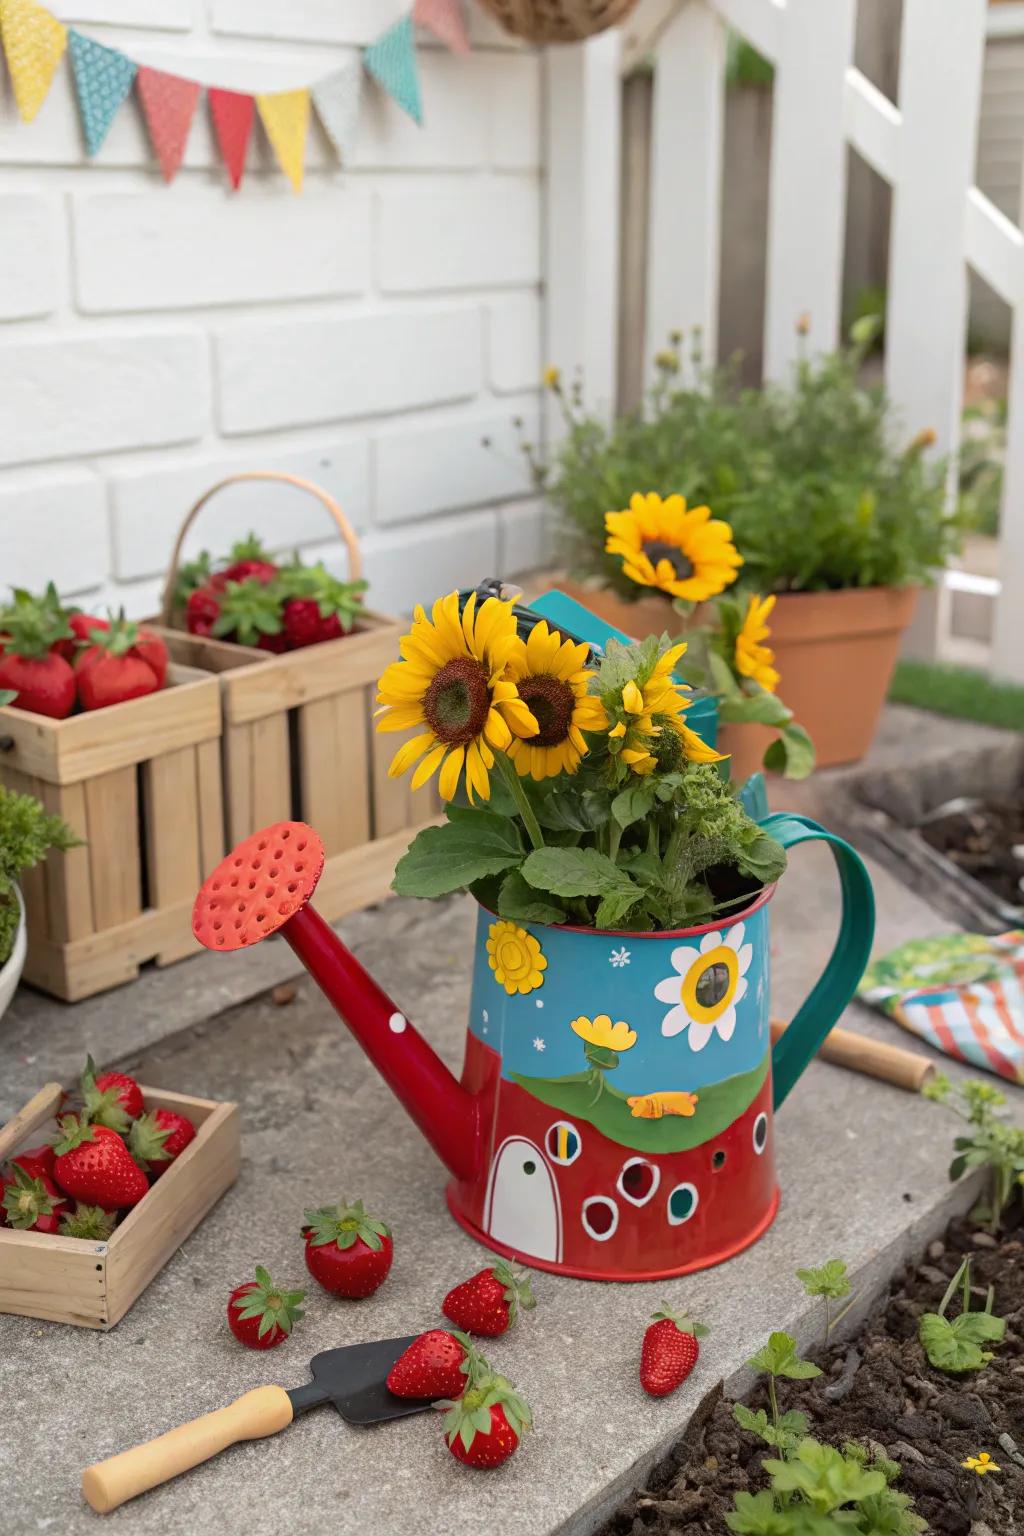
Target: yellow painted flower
<point>516,958</point>
<point>552,681</point>
<point>551,377</point>
<point>453,679</point>
<point>753,658</point>
<point>981,1464</point>
<point>649,721</point>
<point>603,1033</point>
<point>686,553</point>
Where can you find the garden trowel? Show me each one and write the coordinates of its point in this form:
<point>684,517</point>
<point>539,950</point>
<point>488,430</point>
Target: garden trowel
<point>352,1378</point>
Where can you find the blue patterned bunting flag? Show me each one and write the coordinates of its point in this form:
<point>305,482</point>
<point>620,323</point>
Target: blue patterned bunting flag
<point>391,60</point>
<point>103,78</point>
<point>337,99</point>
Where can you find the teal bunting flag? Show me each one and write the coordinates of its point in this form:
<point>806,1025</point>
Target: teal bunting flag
<point>391,60</point>
<point>103,78</point>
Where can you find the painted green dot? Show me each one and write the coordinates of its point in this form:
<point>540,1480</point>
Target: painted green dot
<point>681,1202</point>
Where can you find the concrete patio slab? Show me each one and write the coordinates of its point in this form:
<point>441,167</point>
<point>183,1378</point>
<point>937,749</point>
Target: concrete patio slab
<point>863,1173</point>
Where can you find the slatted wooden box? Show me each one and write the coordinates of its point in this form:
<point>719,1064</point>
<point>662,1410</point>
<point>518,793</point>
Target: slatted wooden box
<point>93,1284</point>
<point>299,744</point>
<point>140,784</point>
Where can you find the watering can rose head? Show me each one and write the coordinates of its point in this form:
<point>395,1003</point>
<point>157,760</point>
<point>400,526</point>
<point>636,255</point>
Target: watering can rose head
<point>576,792</point>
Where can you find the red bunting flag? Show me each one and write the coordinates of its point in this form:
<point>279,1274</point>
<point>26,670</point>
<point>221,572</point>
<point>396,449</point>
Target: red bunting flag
<point>169,103</point>
<point>444,18</point>
<point>232,114</point>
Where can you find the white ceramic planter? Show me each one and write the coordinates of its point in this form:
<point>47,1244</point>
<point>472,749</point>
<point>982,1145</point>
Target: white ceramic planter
<point>10,974</point>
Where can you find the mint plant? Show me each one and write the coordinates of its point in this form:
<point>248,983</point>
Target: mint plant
<point>830,1282</point>
<point>988,1143</point>
<point>955,1344</point>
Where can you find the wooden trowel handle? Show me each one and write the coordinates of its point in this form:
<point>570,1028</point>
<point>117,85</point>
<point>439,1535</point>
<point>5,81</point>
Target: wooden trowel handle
<point>261,1412</point>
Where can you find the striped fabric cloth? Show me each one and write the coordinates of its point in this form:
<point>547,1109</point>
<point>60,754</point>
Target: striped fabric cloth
<point>963,994</point>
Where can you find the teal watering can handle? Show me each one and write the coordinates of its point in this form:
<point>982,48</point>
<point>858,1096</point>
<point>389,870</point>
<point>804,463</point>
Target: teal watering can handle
<point>848,960</point>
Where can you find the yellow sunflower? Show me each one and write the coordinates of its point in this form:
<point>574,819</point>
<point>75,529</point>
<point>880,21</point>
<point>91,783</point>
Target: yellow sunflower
<point>649,721</point>
<point>753,659</point>
<point>601,1032</point>
<point>552,681</point>
<point>452,679</point>
<point>687,554</point>
<point>516,958</point>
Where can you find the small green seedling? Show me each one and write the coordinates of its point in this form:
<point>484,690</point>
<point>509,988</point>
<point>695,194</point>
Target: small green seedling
<point>830,1282</point>
<point>778,1358</point>
<point>955,1345</point>
<point>820,1491</point>
<point>990,1142</point>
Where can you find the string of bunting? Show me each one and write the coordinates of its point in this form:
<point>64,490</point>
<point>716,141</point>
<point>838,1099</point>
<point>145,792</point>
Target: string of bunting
<point>35,42</point>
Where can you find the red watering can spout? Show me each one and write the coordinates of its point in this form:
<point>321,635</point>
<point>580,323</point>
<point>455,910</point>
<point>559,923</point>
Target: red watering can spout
<point>264,887</point>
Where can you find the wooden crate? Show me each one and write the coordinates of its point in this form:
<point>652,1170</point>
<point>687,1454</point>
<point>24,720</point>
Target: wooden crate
<point>140,784</point>
<point>299,744</point>
<point>93,1284</point>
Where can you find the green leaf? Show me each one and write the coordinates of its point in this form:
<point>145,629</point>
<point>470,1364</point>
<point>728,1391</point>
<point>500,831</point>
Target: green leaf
<point>471,845</point>
<point>791,754</point>
<point>829,1279</point>
<point>792,1426</point>
<point>755,1515</point>
<point>762,707</point>
<point>722,679</point>
<point>613,908</point>
<point>762,857</point>
<point>576,872</point>
<point>634,802</point>
<point>955,1346</point>
<point>779,1358</point>
<point>824,1476</point>
<point>519,902</point>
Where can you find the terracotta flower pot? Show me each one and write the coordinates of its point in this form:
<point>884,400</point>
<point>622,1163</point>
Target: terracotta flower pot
<point>835,653</point>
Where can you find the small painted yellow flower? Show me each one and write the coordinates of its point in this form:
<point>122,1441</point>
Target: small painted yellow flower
<point>516,958</point>
<point>684,552</point>
<point>981,1464</point>
<point>601,1031</point>
<point>552,377</point>
<point>754,658</point>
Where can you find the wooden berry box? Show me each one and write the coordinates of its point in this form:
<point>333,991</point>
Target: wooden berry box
<point>299,740</point>
<point>93,1284</point>
<point>140,784</point>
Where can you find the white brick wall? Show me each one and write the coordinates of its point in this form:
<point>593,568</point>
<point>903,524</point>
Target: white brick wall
<point>369,335</point>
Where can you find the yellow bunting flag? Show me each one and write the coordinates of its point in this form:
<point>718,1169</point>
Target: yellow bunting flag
<point>285,116</point>
<point>34,42</point>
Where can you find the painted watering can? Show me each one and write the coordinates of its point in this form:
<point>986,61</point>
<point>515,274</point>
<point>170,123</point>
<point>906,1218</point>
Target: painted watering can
<point>614,1116</point>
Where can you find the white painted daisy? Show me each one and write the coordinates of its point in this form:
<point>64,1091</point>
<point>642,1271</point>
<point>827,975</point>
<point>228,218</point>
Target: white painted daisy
<point>619,958</point>
<point>705,987</point>
<point>538,1044</point>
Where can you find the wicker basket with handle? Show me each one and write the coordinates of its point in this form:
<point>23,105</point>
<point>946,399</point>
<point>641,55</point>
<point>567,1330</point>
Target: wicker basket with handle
<point>298,732</point>
<point>557,21</point>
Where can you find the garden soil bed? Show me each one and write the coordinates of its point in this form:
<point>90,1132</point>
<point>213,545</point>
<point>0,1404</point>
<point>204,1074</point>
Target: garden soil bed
<point>986,840</point>
<point>880,1388</point>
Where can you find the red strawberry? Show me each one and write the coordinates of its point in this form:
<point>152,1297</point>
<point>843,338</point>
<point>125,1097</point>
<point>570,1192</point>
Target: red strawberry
<point>437,1364</point>
<point>301,622</point>
<point>37,1161</point>
<point>41,678</point>
<point>31,1204</point>
<point>484,1426</point>
<point>250,561</point>
<point>348,1251</point>
<point>317,605</point>
<point>83,624</point>
<point>112,670</point>
<point>202,611</point>
<point>112,1098</point>
<point>490,1301</point>
<point>249,611</point>
<point>260,1314</point>
<point>88,1221</point>
<point>153,651</point>
<point>669,1352</point>
<point>95,1166</point>
<point>158,1138</point>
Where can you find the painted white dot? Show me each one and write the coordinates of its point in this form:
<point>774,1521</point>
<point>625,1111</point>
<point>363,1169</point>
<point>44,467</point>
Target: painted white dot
<point>540,1002</point>
<point>397,1023</point>
<point>486,1016</point>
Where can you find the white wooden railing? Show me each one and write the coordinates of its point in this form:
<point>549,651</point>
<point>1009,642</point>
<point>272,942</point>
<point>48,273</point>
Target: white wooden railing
<point>924,148</point>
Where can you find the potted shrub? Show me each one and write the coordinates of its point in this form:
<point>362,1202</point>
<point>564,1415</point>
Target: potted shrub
<point>27,834</point>
<point>829,516</point>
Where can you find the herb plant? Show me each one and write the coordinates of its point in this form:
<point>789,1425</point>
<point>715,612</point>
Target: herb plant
<point>808,473</point>
<point>988,1143</point>
<point>830,1282</point>
<point>27,833</point>
<point>820,1491</point>
<point>955,1344</point>
<point>778,1358</point>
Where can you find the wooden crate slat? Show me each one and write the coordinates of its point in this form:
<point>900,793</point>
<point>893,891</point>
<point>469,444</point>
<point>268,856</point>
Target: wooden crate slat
<point>61,1279</point>
<point>111,808</point>
<point>68,886</point>
<point>106,959</point>
<point>315,672</point>
<point>334,757</point>
<point>210,791</point>
<point>271,771</point>
<point>361,876</point>
<point>392,798</point>
<point>236,745</point>
<point>172,826</point>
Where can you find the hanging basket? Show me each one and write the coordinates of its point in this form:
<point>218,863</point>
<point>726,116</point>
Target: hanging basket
<point>557,21</point>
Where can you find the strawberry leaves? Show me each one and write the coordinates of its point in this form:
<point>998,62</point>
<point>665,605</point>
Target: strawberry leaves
<point>274,1307</point>
<point>345,1225</point>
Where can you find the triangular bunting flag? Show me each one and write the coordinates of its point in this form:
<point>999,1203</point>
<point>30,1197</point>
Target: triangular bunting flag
<point>391,60</point>
<point>103,78</point>
<point>169,103</point>
<point>232,114</point>
<point>336,99</point>
<point>444,18</point>
<point>285,116</point>
<point>34,42</point>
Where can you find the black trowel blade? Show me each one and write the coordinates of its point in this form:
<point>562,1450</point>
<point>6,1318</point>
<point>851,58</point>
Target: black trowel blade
<point>354,1379</point>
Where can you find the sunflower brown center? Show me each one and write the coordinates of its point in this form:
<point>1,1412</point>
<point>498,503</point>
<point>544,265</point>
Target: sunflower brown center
<point>668,746</point>
<point>458,700</point>
<point>658,549</point>
<point>551,702</point>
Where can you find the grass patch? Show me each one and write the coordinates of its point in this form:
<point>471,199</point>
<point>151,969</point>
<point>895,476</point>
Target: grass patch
<point>960,692</point>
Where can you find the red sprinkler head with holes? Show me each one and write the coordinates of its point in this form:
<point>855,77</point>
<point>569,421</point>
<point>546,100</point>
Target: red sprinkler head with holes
<point>264,887</point>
